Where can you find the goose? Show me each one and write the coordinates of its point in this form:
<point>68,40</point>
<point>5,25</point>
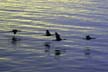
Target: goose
<point>58,38</point>
<point>88,37</point>
<point>48,33</point>
<point>15,31</point>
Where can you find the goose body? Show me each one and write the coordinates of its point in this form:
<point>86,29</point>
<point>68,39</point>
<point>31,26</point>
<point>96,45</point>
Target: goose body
<point>48,33</point>
<point>88,37</point>
<point>15,31</point>
<point>58,38</point>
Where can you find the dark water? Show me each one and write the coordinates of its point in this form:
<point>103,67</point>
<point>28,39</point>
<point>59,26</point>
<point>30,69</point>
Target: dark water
<point>73,19</point>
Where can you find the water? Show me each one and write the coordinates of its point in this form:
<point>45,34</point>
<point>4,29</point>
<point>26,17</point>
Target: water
<point>73,19</point>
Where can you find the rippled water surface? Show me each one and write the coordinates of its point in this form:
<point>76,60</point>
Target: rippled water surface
<point>72,19</point>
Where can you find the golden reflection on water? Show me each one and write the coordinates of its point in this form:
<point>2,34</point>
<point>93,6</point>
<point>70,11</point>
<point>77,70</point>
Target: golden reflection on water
<point>4,59</point>
<point>73,1</point>
<point>24,13</point>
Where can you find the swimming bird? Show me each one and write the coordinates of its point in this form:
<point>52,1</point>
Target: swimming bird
<point>58,38</point>
<point>88,37</point>
<point>48,33</point>
<point>15,31</point>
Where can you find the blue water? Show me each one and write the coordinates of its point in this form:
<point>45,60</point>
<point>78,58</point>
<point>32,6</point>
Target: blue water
<point>72,19</point>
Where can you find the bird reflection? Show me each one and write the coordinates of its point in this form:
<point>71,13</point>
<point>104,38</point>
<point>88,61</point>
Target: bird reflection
<point>57,52</point>
<point>47,46</point>
<point>14,40</point>
<point>87,51</point>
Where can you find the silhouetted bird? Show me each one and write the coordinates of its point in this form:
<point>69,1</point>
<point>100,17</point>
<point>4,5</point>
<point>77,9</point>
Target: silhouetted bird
<point>57,52</point>
<point>15,31</point>
<point>47,33</point>
<point>58,38</point>
<point>88,37</point>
